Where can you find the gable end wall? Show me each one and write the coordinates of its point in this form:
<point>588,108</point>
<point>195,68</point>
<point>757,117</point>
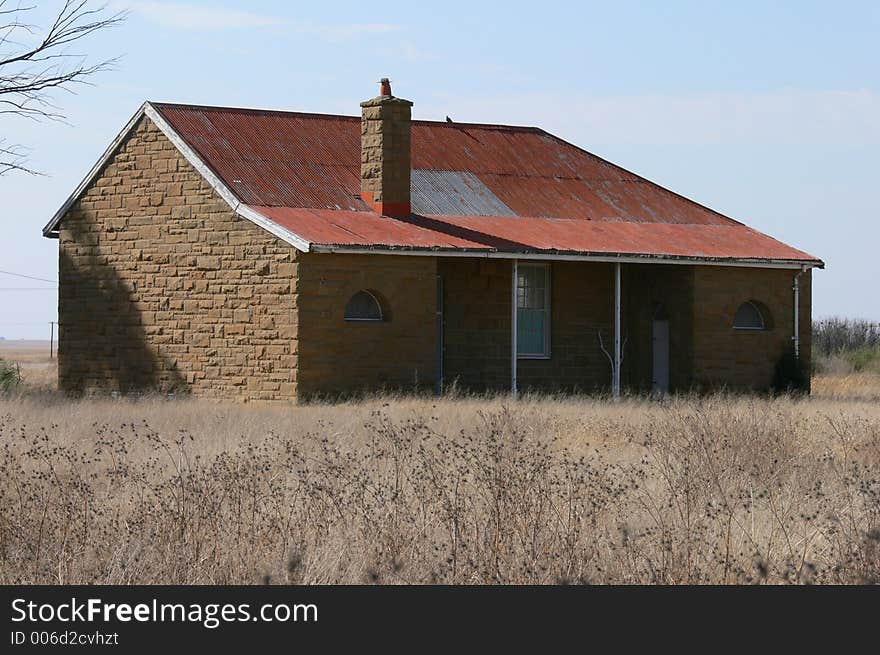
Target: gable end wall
<point>163,287</point>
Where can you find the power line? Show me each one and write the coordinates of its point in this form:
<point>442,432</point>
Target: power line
<point>29,277</point>
<point>28,288</point>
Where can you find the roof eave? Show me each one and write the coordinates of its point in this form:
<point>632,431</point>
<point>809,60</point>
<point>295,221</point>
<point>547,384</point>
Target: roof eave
<point>570,255</point>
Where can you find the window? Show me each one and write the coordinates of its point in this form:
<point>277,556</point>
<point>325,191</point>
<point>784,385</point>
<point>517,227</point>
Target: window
<point>363,306</point>
<point>749,317</point>
<point>533,311</point>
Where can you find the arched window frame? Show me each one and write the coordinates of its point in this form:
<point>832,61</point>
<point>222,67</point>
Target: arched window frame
<point>365,319</point>
<point>759,310</point>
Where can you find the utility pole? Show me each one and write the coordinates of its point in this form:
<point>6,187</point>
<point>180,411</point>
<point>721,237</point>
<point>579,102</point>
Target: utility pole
<point>51,338</point>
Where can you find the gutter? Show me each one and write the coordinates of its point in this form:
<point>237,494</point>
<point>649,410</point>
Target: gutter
<point>584,256</point>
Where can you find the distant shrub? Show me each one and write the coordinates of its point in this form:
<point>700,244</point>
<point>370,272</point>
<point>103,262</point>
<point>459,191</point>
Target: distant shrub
<point>843,346</point>
<point>10,376</point>
<point>863,359</point>
<point>836,335</point>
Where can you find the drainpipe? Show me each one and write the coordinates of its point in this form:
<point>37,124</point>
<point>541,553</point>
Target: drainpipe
<point>615,383</point>
<point>513,336</point>
<point>797,297</point>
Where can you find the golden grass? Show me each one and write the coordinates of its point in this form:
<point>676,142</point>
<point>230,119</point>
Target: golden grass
<point>718,489</point>
<point>38,371</point>
<point>851,386</point>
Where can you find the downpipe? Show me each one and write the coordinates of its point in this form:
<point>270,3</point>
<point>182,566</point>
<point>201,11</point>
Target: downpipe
<point>796,338</point>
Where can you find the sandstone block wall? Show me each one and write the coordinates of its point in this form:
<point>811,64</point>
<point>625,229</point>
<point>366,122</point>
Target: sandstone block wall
<point>163,287</point>
<point>476,333</point>
<point>746,359</point>
<point>339,356</point>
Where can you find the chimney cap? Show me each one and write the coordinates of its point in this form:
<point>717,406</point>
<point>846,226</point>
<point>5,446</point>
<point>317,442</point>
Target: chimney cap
<point>385,96</point>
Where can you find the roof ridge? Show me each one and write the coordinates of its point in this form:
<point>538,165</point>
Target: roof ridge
<point>248,110</point>
<point>311,114</point>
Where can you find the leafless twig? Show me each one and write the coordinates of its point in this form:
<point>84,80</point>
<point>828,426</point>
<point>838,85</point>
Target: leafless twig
<point>34,64</point>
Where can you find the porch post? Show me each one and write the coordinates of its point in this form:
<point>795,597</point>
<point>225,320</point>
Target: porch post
<point>513,337</point>
<point>615,382</point>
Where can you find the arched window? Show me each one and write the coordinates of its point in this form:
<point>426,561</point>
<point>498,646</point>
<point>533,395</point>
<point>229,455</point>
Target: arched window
<point>750,316</point>
<point>363,306</point>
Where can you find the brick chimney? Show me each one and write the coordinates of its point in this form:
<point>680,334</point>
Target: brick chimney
<point>385,152</point>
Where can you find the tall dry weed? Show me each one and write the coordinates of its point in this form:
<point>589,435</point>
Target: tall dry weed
<point>693,490</point>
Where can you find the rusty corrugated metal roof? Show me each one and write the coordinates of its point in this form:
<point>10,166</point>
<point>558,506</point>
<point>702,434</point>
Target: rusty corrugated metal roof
<point>521,188</point>
<point>520,234</point>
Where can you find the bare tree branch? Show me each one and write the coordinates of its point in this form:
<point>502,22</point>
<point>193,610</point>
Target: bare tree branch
<point>33,68</point>
<point>12,158</point>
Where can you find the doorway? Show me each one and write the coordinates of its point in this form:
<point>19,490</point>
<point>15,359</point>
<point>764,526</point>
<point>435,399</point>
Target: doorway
<point>660,342</point>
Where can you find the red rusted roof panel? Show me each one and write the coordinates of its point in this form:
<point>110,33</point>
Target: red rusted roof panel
<point>276,158</point>
<point>291,159</point>
<point>293,167</point>
<point>531,234</point>
<point>350,228</point>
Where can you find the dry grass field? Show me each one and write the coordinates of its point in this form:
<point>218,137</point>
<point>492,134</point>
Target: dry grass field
<point>38,371</point>
<point>718,489</point>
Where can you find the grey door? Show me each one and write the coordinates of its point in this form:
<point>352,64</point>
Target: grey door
<point>660,375</point>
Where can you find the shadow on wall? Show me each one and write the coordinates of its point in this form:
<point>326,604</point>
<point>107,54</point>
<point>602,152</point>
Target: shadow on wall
<point>103,342</point>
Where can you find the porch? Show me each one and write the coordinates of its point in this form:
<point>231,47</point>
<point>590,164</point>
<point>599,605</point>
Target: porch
<point>664,327</point>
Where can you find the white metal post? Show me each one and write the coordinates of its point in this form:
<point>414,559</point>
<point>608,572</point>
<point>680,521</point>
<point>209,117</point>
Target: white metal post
<point>513,336</point>
<point>615,384</point>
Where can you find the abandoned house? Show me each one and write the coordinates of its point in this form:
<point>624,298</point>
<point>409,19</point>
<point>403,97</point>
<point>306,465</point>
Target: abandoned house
<point>273,255</point>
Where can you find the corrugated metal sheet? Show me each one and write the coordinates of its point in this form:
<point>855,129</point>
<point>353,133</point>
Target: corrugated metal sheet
<point>468,182</point>
<point>277,158</point>
<point>454,192</point>
<point>532,234</point>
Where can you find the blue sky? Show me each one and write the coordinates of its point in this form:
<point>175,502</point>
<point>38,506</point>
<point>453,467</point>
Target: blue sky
<point>767,112</point>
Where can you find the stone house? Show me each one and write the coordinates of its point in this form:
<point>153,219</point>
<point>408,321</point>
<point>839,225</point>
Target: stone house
<point>270,255</point>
